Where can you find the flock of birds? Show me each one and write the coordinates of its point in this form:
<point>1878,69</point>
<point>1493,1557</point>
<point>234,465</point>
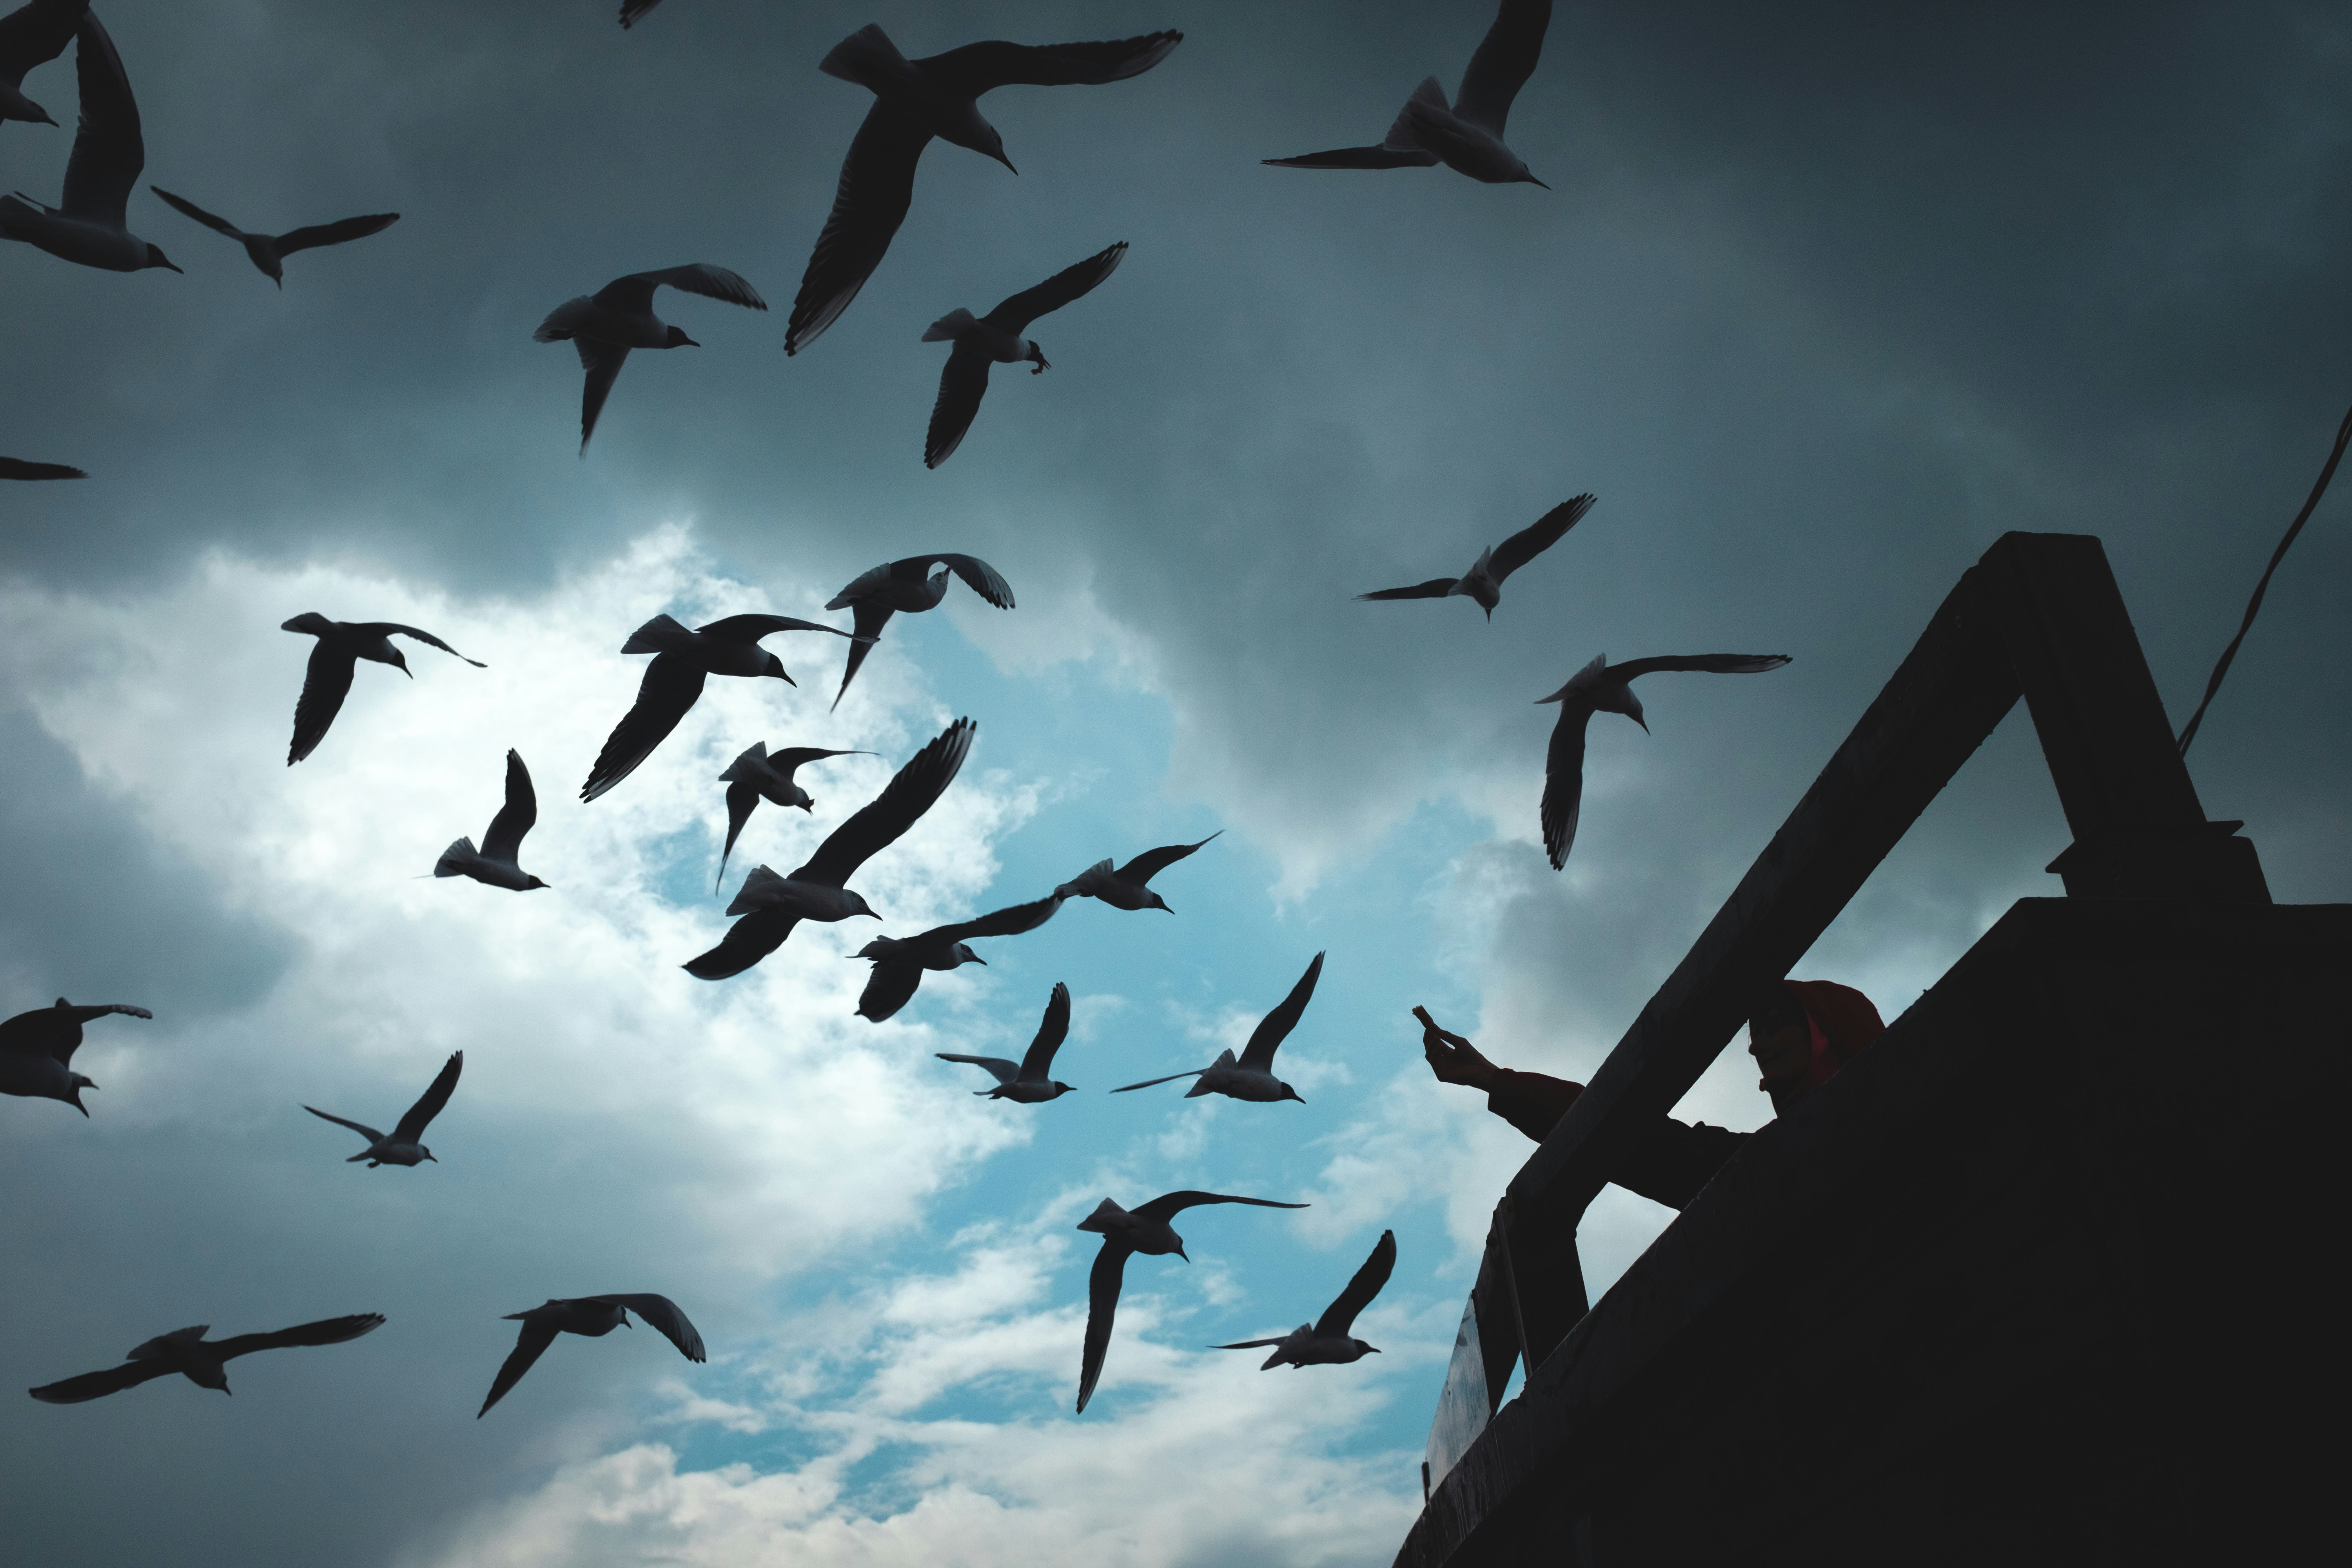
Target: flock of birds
<point>914,101</point>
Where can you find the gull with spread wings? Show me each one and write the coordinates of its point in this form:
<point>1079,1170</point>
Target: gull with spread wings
<point>341,645</point>
<point>496,863</point>
<point>1252,1078</point>
<point>604,326</point>
<point>403,1147</point>
<point>762,774</point>
<point>268,251</point>
<point>90,228</point>
<point>1604,688</point>
<point>33,34</point>
<point>1030,1080</point>
<point>36,1050</point>
<point>592,1317</point>
<point>1124,888</point>
<point>914,100</point>
<point>899,963</point>
<point>1484,581</point>
<point>909,586</point>
<point>770,905</point>
<point>1144,1229</point>
<point>202,1363</point>
<point>995,339</point>
<point>1325,1342</point>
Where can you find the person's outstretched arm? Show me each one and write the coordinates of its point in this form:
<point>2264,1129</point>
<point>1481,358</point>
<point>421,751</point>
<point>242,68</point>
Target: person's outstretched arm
<point>1530,1101</point>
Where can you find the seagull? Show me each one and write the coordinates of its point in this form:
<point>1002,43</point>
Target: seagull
<point>995,339</point>
<point>496,862</point>
<point>17,468</point>
<point>341,645</point>
<point>270,251</point>
<point>1252,1078</point>
<point>32,34</point>
<point>683,660</point>
<point>605,325</point>
<point>898,966</point>
<point>594,1316</point>
<point>770,905</point>
<point>910,585</point>
<point>634,12</point>
<point>914,100</point>
<point>1027,1080</point>
<point>36,1050</point>
<point>762,774</point>
<point>1604,688</point>
<point>1326,1341</point>
<point>1468,137</point>
<point>1484,581</point>
<point>1143,1229</point>
<point>108,154</point>
<point>186,1352</point>
<point>1124,888</point>
<point>403,1147</point>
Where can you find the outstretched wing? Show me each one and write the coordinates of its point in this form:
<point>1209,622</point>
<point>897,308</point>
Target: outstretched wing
<point>868,618</point>
<point>34,34</point>
<point>1002,1070</point>
<point>748,941</point>
<point>661,1312</point>
<point>1710,663</point>
<point>325,1332</point>
<point>99,1384</point>
<point>362,1128</point>
<point>1275,1026</point>
<point>913,791</point>
<point>742,798</point>
<point>17,468</point>
<point>669,687</point>
<point>635,292</point>
<point>340,232</point>
<point>1038,1060</point>
<point>963,381</point>
<point>979,577</point>
<point>1506,59</point>
<point>1563,795</point>
<point>57,1031</point>
<point>1011,920</point>
<point>890,986</point>
<point>429,1105</point>
<point>1341,1315</point>
<point>1172,1078</point>
<point>209,220</point>
<point>1435,588</point>
<point>108,150</point>
<point>1537,536</point>
<point>530,1345</point>
<point>633,11</point>
<point>504,840</point>
<point>1152,862</point>
<point>789,759</point>
<point>877,182</point>
<point>752,628</point>
<point>1167,1205</point>
<point>1356,158</point>
<point>393,629</point>
<point>1246,1345</point>
<point>1102,1306</point>
<point>1015,313</point>
<point>602,362</point>
<point>325,683</point>
<point>982,68</point>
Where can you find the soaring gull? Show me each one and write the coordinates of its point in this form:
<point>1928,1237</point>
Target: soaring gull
<point>32,34</point>
<point>202,1363</point>
<point>496,862</point>
<point>1252,1078</point>
<point>1484,581</point>
<point>593,1316</point>
<point>995,339</point>
<point>1325,1342</point>
<point>1124,888</point>
<point>36,1050</point>
<point>899,963</point>
<point>1029,1080</point>
<point>910,585</point>
<point>403,1147</point>
<point>762,774</point>
<point>90,228</point>
<point>341,645</point>
<point>268,251</point>
<point>605,325</point>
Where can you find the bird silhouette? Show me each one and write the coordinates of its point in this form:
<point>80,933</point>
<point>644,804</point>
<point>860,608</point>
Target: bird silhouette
<point>909,586</point>
<point>32,34</point>
<point>268,251</point>
<point>995,339</point>
<point>497,862</point>
<point>1028,1081</point>
<point>202,1363</point>
<point>899,965</point>
<point>604,326</point>
<point>341,645</point>
<point>761,774</point>
<point>1484,581</point>
<point>1325,1342</point>
<point>1125,888</point>
<point>36,1050</point>
<point>1252,1078</point>
<point>592,1317</point>
<point>403,1147</point>
<point>91,226</point>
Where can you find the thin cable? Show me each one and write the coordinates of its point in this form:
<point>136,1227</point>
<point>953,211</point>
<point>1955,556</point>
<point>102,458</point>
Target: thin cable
<point>2343,435</point>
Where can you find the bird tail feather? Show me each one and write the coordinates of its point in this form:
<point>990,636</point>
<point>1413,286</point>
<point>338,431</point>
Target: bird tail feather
<point>563,320</point>
<point>1105,1211</point>
<point>1429,95</point>
<point>954,324</point>
<point>453,859</point>
<point>748,897</point>
<point>741,766</point>
<point>868,58</point>
<point>660,635</point>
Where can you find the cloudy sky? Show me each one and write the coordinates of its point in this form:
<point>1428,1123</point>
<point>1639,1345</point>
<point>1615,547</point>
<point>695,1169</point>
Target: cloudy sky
<point>1821,302</point>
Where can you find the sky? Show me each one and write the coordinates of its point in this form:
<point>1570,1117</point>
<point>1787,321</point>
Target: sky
<point>1820,302</point>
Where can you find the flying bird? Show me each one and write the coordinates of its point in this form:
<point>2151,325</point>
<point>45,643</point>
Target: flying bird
<point>202,1363</point>
<point>36,1050</point>
<point>1143,1229</point>
<point>683,660</point>
<point>770,905</point>
<point>17,468</point>
<point>995,339</point>
<point>1252,1078</point>
<point>605,325</point>
<point>899,965</point>
<point>1029,1080</point>
<point>341,645</point>
<point>593,1316</point>
<point>496,862</point>
<point>1468,136</point>
<point>90,228</point>
<point>1124,888</point>
<point>762,774</point>
<point>914,100</point>
<point>268,251</point>
<point>912,587</point>
<point>403,1147</point>
<point>1604,688</point>
<point>32,34</point>
<point>1325,1342</point>
<point>1484,581</point>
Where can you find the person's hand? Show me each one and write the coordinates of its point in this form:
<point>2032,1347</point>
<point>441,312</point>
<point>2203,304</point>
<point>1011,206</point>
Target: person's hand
<point>1452,1059</point>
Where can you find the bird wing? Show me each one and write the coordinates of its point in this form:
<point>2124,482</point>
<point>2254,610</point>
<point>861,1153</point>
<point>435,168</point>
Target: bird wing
<point>324,686</point>
<point>1011,920</point>
<point>362,1128</point>
<point>751,628</point>
<point>1711,663</point>
<point>869,620</point>
<point>635,293</point>
<point>1038,1060</point>
<point>52,1031</point>
<point>1167,1205</point>
<point>209,220</point>
<point>429,1105</point>
<point>661,1312</point>
<point>1152,862</point>
<point>108,150</point>
<point>530,1345</point>
<point>742,798</point>
<point>17,468</point>
<point>871,579</point>
<point>963,381</point>
<point>670,688</point>
<point>1506,59</point>
<point>982,68</point>
<point>1537,537</point>
<point>1172,1078</point>
<point>633,11</point>
<point>34,34</point>
<point>1275,1026</point>
<point>1102,1306</point>
<point>1563,795</point>
<point>748,941</point>
<point>98,1384</point>
<point>891,985</point>
<point>1357,157</point>
<point>1341,1315</point>
<point>1435,588</point>
<point>785,762</point>
<point>393,629</point>
<point>325,1332</point>
<point>1016,312</point>
<point>877,182</point>
<point>979,577</point>
<point>603,361</point>
<point>1004,1072</point>
<point>504,840</point>
<point>878,824</point>
<point>340,232</point>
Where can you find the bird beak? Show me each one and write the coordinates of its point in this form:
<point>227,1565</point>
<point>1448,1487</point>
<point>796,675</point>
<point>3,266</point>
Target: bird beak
<point>1183,1254</point>
<point>1373,1349</point>
<point>689,343</point>
<point>1003,160</point>
<point>430,1156</point>
<point>1641,721</point>
<point>810,808</point>
<point>1533,180</point>
<point>981,962</point>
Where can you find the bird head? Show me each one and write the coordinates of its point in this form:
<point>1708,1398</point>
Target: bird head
<point>1061,1088</point>
<point>422,1152</point>
<point>530,883</point>
<point>991,141</point>
<point>309,622</point>
<point>678,340</point>
<point>1364,1349</point>
<point>156,258</point>
<point>1152,900</point>
<point>72,1095</point>
<point>775,667</point>
<point>962,954</point>
<point>1031,352</point>
<point>858,905</point>
<point>270,266</point>
<point>40,116</point>
<point>1288,1093</point>
<point>206,1374</point>
<point>807,803</point>
<point>1179,1247</point>
<point>398,661</point>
